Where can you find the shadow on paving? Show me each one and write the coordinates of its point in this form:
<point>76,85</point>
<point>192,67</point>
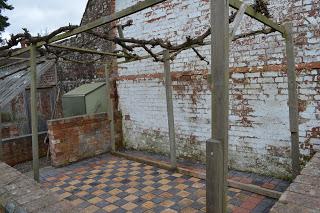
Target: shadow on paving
<point>112,184</point>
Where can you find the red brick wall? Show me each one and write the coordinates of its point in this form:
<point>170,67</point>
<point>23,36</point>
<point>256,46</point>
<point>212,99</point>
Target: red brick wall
<point>9,130</point>
<point>18,150</point>
<point>76,138</point>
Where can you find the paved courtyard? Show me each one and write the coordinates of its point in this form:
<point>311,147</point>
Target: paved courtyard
<point>112,184</point>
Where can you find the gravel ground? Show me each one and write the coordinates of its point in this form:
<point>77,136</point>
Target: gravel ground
<point>27,166</point>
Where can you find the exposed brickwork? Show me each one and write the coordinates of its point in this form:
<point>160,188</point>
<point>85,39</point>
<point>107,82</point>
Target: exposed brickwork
<point>19,149</point>
<point>304,193</point>
<point>9,130</point>
<point>76,138</point>
<point>20,193</point>
<point>259,127</point>
<point>72,75</point>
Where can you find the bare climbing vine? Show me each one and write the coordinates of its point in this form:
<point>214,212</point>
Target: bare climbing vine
<point>128,45</point>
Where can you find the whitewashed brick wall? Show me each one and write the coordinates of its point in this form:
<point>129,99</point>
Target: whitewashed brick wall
<point>259,127</point>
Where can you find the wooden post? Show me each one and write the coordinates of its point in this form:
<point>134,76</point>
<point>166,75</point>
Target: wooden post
<point>293,101</point>
<point>108,67</point>
<point>217,147</point>
<point>34,112</point>
<point>168,84</point>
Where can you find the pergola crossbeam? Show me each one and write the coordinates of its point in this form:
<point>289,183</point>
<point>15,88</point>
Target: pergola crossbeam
<point>85,50</point>
<point>97,23</point>
<point>250,11</point>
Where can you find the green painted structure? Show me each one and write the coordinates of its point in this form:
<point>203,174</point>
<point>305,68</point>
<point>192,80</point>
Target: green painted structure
<point>86,99</point>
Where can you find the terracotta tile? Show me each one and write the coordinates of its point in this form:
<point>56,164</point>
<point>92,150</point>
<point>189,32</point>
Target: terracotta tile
<point>118,179</point>
<point>76,202</point>
<point>101,186</point>
<point>91,209</point>
<point>89,181</point>
<point>70,188</point>
<point>198,185</point>
<point>164,181</point>
<point>85,187</point>
<point>148,189</point>
<point>148,196</point>
<point>268,186</point>
<point>147,177</point>
<point>51,178</point>
<point>181,186</point>
<point>55,189</point>
<point>112,199</point>
<point>95,171</point>
<point>148,205</point>
<point>183,194</point>
<point>166,195</point>
<point>74,182</point>
<point>95,200</point>
<point>115,191</point>
<point>188,210</point>
<point>202,200</point>
<point>64,195</point>
<point>193,179</point>
<point>131,190</point>
<point>131,198</point>
<point>129,206</point>
<point>240,210</point>
<point>168,211</point>
<point>165,187</point>
<point>98,192</point>
<point>122,170</point>
<point>167,203</point>
<point>185,202</point>
<point>200,193</point>
<point>176,174</point>
<point>82,193</point>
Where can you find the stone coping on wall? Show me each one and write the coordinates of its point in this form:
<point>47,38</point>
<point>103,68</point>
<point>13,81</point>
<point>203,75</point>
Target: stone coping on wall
<point>303,195</point>
<point>11,139</point>
<point>78,118</point>
<point>19,149</point>
<point>20,193</point>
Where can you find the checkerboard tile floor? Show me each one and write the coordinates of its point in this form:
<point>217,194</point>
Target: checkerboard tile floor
<point>112,184</point>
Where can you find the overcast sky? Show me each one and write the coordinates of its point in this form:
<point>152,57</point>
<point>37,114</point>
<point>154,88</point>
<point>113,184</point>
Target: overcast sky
<point>41,16</point>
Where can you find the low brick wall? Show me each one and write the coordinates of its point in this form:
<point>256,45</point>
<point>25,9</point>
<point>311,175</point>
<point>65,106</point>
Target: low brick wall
<point>303,195</point>
<point>19,149</point>
<point>9,130</point>
<point>76,138</point>
<point>19,193</point>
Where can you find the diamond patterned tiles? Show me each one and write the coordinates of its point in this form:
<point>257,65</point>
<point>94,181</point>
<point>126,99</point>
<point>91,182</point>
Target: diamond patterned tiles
<point>111,184</point>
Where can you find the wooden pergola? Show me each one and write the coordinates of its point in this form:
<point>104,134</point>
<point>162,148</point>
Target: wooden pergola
<point>221,36</point>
